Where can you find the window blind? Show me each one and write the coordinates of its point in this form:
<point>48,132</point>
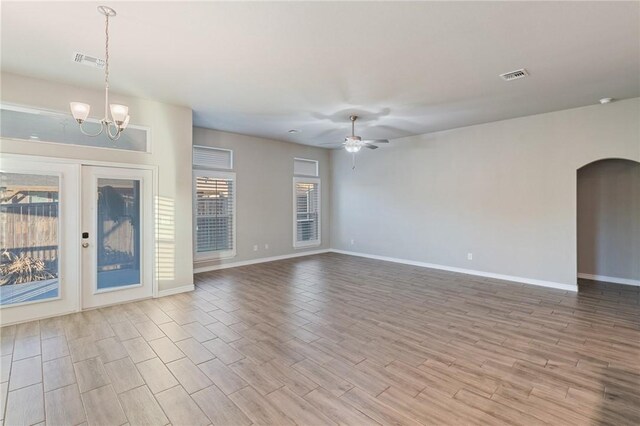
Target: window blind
<point>307,212</point>
<point>212,158</point>
<point>215,213</point>
<point>303,167</point>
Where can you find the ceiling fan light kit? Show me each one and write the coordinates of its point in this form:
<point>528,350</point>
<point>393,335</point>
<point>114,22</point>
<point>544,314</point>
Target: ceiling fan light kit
<point>119,113</point>
<point>353,143</point>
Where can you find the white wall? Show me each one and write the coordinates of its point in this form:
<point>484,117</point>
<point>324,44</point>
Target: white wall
<point>609,219</point>
<point>505,191</point>
<point>171,128</point>
<point>264,197</point>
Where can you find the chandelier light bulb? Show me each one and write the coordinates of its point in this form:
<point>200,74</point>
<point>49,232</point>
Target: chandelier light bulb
<point>119,113</point>
<point>79,111</point>
<point>352,148</point>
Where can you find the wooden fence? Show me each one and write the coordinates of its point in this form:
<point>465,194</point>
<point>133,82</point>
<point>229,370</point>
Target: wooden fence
<point>30,228</point>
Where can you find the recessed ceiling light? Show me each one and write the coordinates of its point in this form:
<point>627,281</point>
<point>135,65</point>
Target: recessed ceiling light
<point>34,137</point>
<point>292,131</point>
<point>606,100</point>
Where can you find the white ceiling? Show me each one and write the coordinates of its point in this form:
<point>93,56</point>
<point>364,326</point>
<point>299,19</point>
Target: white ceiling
<point>406,68</point>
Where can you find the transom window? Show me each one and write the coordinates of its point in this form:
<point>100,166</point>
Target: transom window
<point>40,126</point>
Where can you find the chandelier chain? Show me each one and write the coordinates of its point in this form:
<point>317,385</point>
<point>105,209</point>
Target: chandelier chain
<point>106,48</point>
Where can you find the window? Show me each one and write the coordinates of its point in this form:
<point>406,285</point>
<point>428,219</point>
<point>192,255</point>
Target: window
<point>212,158</point>
<point>304,167</point>
<point>40,126</point>
<point>306,212</point>
<point>215,214</point>
<point>214,203</point>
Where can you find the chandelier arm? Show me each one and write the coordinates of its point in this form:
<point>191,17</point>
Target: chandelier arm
<point>92,134</point>
<point>112,136</point>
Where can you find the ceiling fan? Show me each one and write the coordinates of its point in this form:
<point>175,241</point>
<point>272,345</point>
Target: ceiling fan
<point>354,143</point>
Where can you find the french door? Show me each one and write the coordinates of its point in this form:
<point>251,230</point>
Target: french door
<point>117,235</point>
<point>72,236</point>
<point>39,204</point>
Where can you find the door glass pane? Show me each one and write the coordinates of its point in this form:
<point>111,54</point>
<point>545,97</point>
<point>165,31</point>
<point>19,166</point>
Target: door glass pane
<point>118,233</point>
<point>29,206</point>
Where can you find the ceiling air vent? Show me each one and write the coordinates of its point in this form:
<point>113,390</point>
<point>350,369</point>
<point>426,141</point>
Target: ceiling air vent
<point>91,61</point>
<point>514,75</point>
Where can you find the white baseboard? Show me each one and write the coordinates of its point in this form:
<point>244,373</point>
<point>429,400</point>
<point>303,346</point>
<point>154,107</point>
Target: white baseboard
<point>531,281</point>
<point>176,290</point>
<point>260,260</point>
<point>615,280</point>
<point>38,318</point>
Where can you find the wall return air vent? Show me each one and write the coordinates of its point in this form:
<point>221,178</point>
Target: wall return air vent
<point>91,61</point>
<point>514,75</point>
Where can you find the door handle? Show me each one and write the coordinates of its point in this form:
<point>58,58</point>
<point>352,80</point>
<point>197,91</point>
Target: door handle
<point>85,245</point>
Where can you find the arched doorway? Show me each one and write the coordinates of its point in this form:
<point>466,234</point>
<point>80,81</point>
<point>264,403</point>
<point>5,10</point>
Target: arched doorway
<point>608,222</point>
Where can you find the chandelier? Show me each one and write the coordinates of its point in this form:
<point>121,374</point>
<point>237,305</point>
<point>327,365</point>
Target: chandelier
<point>119,113</point>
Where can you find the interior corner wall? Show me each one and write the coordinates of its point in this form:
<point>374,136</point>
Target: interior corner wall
<point>503,191</point>
<point>609,219</point>
<point>171,134</point>
<point>264,197</point>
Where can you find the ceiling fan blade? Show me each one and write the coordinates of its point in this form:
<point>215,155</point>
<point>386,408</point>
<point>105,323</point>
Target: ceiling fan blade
<point>366,145</point>
<point>376,141</point>
<point>332,144</point>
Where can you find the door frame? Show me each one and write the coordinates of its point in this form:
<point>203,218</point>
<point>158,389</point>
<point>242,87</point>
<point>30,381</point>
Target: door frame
<point>91,295</point>
<point>77,303</point>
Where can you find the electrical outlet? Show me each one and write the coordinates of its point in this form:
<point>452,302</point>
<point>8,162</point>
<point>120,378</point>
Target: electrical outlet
<point>353,242</point>
<point>469,256</point>
<point>266,246</point>
<point>255,247</point>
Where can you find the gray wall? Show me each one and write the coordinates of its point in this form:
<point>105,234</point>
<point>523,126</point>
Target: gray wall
<point>171,128</point>
<point>505,191</point>
<point>609,219</point>
<point>264,199</point>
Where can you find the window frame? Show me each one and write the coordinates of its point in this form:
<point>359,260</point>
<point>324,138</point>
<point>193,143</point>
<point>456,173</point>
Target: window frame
<point>316,163</point>
<point>311,243</point>
<point>221,254</point>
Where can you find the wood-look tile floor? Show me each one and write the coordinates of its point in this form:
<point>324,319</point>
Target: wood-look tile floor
<point>334,339</point>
